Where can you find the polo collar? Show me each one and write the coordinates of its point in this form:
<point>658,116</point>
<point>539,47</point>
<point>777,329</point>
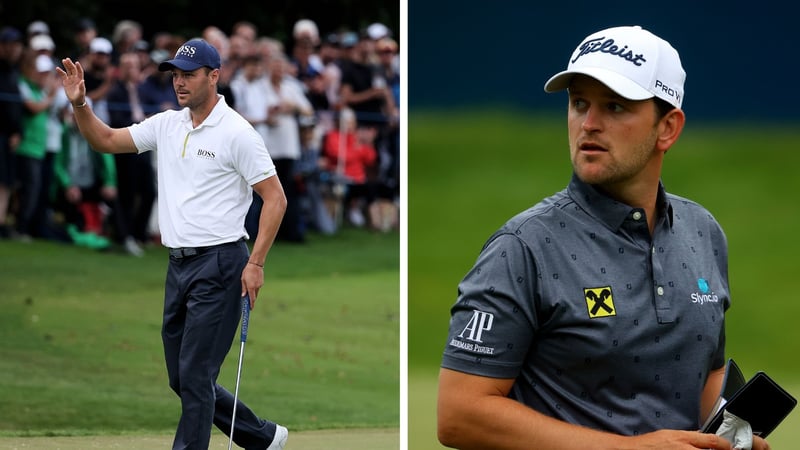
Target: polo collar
<point>611,212</point>
<point>213,119</point>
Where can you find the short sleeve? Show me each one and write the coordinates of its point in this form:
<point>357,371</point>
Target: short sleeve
<point>251,157</point>
<point>144,133</point>
<point>493,321</point>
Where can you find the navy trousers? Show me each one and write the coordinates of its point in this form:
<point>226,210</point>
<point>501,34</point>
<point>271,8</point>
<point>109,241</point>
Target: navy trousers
<point>202,309</point>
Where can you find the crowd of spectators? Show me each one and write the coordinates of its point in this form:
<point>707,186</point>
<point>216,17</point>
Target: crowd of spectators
<point>325,104</point>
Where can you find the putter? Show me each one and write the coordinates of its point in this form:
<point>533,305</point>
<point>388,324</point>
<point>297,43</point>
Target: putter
<point>245,323</point>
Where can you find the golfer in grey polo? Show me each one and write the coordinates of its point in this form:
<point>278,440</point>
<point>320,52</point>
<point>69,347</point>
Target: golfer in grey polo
<point>599,326</point>
<point>595,319</point>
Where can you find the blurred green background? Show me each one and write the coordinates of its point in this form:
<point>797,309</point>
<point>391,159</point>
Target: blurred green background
<point>469,171</point>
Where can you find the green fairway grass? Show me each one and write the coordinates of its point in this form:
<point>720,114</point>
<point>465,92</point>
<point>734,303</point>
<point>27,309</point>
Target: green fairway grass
<point>469,172</point>
<point>80,345</point>
<point>349,439</point>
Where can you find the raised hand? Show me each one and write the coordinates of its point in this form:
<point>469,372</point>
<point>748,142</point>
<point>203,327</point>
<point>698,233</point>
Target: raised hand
<point>73,82</point>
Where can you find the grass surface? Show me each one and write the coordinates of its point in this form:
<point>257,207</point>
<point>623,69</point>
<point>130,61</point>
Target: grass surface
<point>351,439</point>
<point>470,172</point>
<point>80,346</point>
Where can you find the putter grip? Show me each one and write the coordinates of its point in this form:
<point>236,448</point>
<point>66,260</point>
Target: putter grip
<point>245,316</point>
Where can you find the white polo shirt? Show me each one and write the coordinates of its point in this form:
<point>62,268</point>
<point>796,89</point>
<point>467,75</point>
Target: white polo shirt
<point>205,174</point>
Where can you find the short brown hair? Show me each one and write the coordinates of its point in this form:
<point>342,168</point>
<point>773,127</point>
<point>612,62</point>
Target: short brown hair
<point>663,107</point>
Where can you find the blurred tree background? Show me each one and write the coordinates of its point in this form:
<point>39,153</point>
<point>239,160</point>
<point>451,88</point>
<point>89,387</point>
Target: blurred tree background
<point>188,18</point>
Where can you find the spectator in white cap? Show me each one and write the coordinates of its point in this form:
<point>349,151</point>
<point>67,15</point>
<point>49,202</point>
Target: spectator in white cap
<point>371,35</point>
<point>576,328</point>
<point>37,97</point>
<point>305,60</point>
<point>43,45</point>
<point>100,75</point>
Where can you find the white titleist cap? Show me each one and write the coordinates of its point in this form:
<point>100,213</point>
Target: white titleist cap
<point>633,62</point>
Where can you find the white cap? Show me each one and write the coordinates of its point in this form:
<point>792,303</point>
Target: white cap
<point>100,45</point>
<point>42,42</point>
<point>306,28</point>
<point>38,26</point>
<point>378,31</point>
<point>632,62</point>
<point>44,64</point>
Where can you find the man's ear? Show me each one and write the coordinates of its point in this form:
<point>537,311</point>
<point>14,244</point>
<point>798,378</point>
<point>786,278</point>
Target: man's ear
<point>214,75</point>
<point>669,129</point>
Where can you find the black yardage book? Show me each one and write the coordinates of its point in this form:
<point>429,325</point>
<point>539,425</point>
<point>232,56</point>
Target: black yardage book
<point>760,401</point>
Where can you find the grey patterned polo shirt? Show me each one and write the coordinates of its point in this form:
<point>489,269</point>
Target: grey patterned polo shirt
<point>600,324</point>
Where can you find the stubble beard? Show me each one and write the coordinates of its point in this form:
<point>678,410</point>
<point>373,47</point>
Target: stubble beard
<point>608,169</point>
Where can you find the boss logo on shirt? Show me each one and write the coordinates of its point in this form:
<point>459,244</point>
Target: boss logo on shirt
<point>205,154</point>
<point>599,302</point>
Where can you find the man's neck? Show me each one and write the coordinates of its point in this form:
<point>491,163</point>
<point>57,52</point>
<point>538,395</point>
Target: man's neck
<point>201,113</point>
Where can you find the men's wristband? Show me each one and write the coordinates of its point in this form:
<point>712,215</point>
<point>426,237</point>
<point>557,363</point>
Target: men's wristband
<point>81,105</point>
